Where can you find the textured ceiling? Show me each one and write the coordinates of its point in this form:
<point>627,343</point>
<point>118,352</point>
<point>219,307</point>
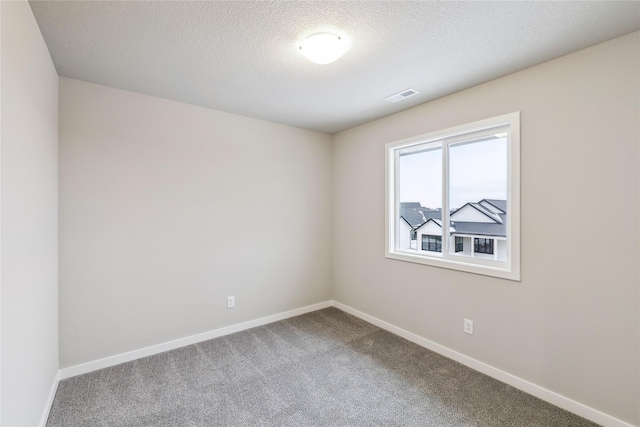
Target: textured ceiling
<point>241,56</point>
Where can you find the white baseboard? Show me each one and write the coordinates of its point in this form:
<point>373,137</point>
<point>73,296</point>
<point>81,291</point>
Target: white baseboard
<point>519,383</point>
<point>106,362</point>
<point>52,395</point>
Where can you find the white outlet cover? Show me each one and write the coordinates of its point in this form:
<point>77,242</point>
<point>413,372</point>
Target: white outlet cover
<point>468,326</point>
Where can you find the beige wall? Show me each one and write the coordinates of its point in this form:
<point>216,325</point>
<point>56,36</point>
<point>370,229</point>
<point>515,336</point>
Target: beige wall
<point>572,324</point>
<point>167,208</point>
<point>29,219</point>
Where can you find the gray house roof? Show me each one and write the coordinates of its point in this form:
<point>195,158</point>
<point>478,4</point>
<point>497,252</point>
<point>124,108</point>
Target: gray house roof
<point>410,205</point>
<point>485,211</point>
<point>416,216</point>
<point>498,204</point>
<point>496,224</point>
<point>480,228</point>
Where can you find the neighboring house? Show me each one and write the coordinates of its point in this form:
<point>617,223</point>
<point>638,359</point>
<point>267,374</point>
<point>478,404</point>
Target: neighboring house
<point>477,229</point>
<point>414,216</point>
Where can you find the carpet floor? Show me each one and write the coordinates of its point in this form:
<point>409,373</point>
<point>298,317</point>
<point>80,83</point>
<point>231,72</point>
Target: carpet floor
<point>325,368</point>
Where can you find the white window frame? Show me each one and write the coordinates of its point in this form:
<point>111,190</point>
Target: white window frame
<point>509,269</point>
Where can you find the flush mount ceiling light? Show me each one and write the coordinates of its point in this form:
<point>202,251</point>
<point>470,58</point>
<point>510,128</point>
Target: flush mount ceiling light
<point>323,48</point>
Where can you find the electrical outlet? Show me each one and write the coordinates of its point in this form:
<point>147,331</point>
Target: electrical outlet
<point>231,302</point>
<point>468,326</point>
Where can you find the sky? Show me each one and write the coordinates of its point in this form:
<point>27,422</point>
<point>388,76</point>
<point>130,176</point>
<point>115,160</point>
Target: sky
<point>477,171</point>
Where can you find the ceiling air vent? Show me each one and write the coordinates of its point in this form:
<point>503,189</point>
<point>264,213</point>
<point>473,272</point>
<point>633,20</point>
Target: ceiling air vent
<point>402,95</point>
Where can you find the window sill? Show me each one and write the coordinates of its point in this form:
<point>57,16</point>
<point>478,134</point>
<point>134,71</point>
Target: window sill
<point>437,260</point>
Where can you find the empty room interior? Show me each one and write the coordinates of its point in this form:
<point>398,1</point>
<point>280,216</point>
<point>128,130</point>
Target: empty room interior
<point>434,222</point>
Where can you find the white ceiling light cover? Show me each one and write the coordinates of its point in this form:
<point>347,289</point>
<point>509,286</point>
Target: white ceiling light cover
<point>323,48</point>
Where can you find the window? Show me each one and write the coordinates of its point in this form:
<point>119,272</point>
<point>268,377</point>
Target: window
<point>459,244</point>
<point>431,243</point>
<point>413,235</point>
<point>455,186</point>
<point>483,246</point>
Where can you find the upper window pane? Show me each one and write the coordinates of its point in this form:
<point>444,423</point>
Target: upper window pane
<point>478,170</point>
<point>421,176</point>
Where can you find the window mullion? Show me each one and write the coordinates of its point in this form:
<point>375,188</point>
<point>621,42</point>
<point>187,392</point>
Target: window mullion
<point>396,198</point>
<point>445,199</point>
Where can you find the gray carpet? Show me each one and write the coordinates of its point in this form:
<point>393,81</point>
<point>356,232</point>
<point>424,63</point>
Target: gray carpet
<point>325,368</point>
